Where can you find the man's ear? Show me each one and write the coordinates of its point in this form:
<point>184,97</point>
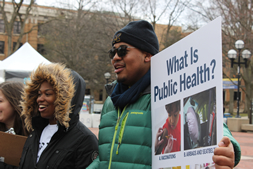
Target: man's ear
<point>147,57</point>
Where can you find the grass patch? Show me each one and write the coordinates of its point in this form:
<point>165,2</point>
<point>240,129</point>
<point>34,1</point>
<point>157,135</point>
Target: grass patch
<point>241,114</point>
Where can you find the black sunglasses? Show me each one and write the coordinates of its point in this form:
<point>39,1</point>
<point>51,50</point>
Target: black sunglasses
<point>121,51</point>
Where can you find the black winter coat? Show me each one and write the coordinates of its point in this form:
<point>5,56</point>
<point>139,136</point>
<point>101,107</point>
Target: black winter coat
<point>74,147</point>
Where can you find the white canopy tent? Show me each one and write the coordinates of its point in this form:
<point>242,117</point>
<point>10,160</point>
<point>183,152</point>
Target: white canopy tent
<point>21,63</point>
<point>1,76</point>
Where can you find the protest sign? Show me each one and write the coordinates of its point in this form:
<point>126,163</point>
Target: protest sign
<point>186,91</point>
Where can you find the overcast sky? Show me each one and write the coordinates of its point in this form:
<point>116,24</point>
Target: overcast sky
<point>46,2</point>
<point>56,3</point>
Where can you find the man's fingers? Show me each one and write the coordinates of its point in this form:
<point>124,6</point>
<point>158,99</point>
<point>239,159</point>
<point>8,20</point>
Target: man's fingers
<point>223,162</point>
<point>221,167</point>
<point>225,141</point>
<point>224,151</point>
<point>224,154</point>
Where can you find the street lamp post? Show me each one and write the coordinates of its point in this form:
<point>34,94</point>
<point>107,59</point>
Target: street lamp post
<point>107,76</point>
<point>239,44</point>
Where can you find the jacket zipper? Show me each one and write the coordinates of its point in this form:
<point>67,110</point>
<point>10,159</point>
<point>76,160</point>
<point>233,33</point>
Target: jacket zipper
<point>121,132</point>
<point>114,136</point>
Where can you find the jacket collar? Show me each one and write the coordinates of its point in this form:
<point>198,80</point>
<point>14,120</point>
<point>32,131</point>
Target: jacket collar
<point>109,88</point>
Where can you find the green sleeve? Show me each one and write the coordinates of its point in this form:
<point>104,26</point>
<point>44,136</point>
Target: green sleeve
<point>236,145</point>
<point>94,164</point>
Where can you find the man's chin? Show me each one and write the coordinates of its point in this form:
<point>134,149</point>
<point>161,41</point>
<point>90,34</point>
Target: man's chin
<point>121,79</point>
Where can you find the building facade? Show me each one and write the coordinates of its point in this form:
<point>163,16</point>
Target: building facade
<point>37,16</point>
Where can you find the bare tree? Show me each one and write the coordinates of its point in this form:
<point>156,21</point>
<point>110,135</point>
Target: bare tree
<point>16,15</point>
<point>163,11</point>
<point>167,11</point>
<point>81,39</point>
<point>171,37</point>
<point>237,16</point>
<point>125,10</point>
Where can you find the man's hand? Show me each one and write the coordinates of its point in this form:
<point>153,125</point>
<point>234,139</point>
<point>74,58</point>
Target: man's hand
<point>224,156</point>
<point>157,141</point>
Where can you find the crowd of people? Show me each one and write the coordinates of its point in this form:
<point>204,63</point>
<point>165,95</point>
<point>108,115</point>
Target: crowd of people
<point>46,110</point>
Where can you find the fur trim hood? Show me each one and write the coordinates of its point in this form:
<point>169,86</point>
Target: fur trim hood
<point>62,81</point>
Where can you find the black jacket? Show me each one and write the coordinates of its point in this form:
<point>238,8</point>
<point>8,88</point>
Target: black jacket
<point>73,147</point>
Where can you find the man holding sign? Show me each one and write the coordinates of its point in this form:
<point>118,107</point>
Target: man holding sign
<point>125,128</point>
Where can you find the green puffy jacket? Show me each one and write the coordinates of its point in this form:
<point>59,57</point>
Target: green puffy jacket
<point>125,136</point>
<point>236,145</point>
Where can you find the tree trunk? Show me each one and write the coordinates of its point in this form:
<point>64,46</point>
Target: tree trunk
<point>231,101</point>
<point>247,80</point>
<point>9,44</point>
<point>9,23</point>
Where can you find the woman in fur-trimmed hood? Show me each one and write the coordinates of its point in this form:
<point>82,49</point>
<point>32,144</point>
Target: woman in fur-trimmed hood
<point>62,83</point>
<point>52,100</point>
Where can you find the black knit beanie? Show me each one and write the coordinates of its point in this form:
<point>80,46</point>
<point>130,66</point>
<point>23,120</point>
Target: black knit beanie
<point>139,34</point>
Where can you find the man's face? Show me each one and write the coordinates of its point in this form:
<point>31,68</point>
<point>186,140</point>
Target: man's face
<point>173,118</point>
<point>131,67</point>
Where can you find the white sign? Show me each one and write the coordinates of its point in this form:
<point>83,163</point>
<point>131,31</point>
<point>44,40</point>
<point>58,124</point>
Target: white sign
<point>186,89</point>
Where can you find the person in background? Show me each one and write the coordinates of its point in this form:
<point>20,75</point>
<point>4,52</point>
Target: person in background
<point>51,103</point>
<point>125,128</point>
<point>10,109</point>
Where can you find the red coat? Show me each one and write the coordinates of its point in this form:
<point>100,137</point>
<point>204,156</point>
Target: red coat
<point>176,134</point>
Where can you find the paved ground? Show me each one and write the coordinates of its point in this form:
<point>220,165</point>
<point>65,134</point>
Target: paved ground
<point>94,130</point>
<point>246,142</point>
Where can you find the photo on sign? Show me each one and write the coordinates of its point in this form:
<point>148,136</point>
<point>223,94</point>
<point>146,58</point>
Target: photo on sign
<point>201,166</point>
<point>178,167</point>
<point>200,120</point>
<point>168,137</point>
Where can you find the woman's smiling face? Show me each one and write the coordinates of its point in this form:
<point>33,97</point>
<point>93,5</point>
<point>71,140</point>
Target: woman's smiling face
<point>6,111</point>
<point>45,100</point>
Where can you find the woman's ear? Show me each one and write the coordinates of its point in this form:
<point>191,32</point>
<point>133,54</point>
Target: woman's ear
<point>147,57</point>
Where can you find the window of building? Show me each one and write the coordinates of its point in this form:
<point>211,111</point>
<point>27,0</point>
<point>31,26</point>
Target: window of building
<point>100,95</point>
<point>1,25</point>
<point>14,45</point>
<point>41,49</point>
<point>235,96</point>
<point>39,28</point>
<point>224,96</point>
<point>87,92</point>
<point>17,27</point>
<point>1,47</point>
